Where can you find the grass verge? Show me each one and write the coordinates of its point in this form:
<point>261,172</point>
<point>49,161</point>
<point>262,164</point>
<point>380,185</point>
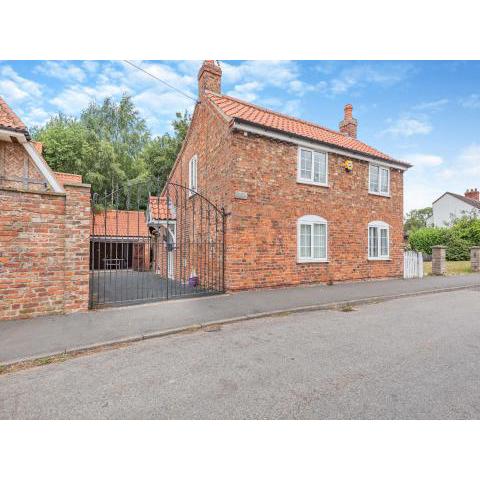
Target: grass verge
<point>453,268</point>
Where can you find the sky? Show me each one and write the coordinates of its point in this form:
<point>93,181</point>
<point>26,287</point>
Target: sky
<point>424,112</point>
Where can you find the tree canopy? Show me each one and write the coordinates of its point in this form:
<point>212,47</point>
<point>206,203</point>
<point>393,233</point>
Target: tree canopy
<point>416,219</point>
<point>109,144</point>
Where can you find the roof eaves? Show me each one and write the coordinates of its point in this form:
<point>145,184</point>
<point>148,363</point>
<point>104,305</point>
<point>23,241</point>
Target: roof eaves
<point>331,145</point>
<point>23,131</point>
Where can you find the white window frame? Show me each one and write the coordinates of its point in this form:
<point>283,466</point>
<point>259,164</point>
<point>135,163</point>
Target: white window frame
<point>311,220</point>
<point>379,226</point>
<point>311,181</point>
<point>192,176</point>
<point>381,168</point>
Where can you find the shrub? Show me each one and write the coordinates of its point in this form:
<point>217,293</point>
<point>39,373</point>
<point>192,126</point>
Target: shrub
<point>424,239</point>
<point>457,248</point>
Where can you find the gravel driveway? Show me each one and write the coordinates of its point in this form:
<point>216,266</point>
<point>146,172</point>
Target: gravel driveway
<point>415,358</point>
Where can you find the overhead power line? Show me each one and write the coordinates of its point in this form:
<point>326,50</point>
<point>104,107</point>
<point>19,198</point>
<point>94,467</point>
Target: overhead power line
<point>162,81</point>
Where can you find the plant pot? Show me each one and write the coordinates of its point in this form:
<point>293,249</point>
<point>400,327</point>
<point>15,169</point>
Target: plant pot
<point>193,281</point>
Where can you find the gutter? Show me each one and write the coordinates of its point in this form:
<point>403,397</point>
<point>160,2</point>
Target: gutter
<point>16,130</point>
<point>252,127</point>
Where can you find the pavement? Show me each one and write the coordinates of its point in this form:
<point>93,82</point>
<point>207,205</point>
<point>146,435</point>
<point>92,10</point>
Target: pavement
<point>410,358</point>
<point>49,335</point>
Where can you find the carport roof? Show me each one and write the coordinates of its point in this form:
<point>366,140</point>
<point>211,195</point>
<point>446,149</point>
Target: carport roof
<point>119,223</point>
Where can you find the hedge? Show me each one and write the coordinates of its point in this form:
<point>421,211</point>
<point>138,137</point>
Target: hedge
<point>458,238</point>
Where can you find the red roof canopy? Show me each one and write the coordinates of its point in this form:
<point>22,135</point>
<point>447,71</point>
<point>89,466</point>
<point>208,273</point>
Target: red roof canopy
<point>240,110</point>
<point>8,118</point>
<point>120,223</point>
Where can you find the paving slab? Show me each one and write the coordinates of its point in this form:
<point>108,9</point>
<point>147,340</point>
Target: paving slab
<point>41,336</point>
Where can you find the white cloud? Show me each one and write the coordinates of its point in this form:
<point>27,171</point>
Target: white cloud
<point>433,106</point>
<point>471,154</point>
<point>34,116</point>
<point>364,74</point>
<point>15,87</point>
<point>472,101</point>
<point>423,160</point>
<point>247,91</point>
<point>65,71</point>
<point>74,99</point>
<point>407,126</point>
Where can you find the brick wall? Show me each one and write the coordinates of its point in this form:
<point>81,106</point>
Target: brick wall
<point>44,251</point>
<point>262,230</point>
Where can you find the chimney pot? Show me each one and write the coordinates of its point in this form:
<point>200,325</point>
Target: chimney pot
<point>473,194</point>
<point>348,126</point>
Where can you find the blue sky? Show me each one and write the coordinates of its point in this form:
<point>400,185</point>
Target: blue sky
<point>426,113</point>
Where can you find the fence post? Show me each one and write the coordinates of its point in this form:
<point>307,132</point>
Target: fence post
<point>420,264</point>
<point>475,259</point>
<point>438,260</point>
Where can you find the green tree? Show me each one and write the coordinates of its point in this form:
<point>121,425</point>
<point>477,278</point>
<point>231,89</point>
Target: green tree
<point>160,154</point>
<point>416,219</point>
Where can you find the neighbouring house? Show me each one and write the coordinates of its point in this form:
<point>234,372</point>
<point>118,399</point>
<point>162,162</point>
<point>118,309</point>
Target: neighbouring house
<point>44,229</point>
<point>304,203</point>
<point>450,206</point>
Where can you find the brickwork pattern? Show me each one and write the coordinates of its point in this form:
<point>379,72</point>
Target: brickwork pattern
<point>44,251</point>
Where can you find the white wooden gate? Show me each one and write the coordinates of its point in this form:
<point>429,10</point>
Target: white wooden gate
<point>412,264</point>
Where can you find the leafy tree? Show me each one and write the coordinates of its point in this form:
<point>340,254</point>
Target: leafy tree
<point>160,154</point>
<point>416,219</point>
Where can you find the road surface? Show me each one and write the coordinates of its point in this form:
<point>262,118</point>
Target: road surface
<point>414,358</point>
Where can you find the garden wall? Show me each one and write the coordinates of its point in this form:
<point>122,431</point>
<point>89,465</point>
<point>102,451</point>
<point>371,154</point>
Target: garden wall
<point>44,251</point>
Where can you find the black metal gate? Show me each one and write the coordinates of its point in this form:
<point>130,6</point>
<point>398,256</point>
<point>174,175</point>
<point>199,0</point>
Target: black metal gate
<point>149,243</point>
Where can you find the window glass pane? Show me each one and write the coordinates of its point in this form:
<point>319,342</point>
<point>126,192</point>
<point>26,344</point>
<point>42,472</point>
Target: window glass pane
<point>384,180</point>
<point>306,164</point>
<point>320,167</point>
<point>373,242</point>
<point>374,173</point>
<point>305,240</point>
<point>319,240</point>
<point>384,242</point>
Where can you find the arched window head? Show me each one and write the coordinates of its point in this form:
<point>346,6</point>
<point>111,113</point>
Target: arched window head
<point>312,239</point>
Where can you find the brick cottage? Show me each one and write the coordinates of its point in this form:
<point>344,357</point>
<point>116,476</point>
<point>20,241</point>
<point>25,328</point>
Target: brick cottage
<point>44,229</point>
<point>305,203</point>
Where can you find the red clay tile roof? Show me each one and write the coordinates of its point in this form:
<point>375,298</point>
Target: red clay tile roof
<point>120,223</point>
<point>67,177</point>
<point>158,208</point>
<point>8,118</point>
<point>238,109</point>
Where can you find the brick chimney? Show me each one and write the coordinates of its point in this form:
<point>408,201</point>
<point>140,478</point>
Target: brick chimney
<point>348,126</point>
<point>209,77</point>
<point>473,194</point>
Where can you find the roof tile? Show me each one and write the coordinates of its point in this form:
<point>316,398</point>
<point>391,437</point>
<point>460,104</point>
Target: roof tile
<point>9,119</point>
<point>238,109</point>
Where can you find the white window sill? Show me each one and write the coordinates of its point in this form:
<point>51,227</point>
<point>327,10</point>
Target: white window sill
<point>191,194</point>
<point>378,194</point>
<point>311,260</point>
<point>310,182</point>
<point>379,259</point>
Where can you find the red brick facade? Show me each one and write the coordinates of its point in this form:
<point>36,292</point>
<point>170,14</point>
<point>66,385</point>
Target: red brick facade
<point>44,251</point>
<point>261,231</point>
<point>44,240</point>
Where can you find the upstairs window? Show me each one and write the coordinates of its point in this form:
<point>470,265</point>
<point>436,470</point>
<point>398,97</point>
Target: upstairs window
<point>312,167</point>
<point>192,175</point>
<point>312,239</point>
<point>378,241</point>
<point>379,180</point>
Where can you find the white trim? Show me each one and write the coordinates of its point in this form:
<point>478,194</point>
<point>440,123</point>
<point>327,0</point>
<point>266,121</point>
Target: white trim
<point>378,224</point>
<point>315,145</point>
<point>380,168</point>
<point>43,167</point>
<point>311,220</point>
<point>299,167</point>
<point>193,175</point>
